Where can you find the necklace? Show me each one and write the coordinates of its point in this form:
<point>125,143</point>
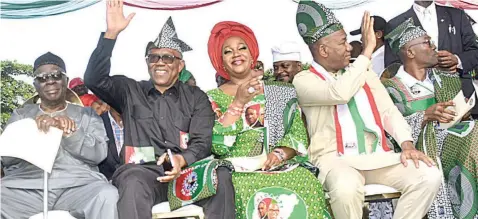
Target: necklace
<point>50,114</point>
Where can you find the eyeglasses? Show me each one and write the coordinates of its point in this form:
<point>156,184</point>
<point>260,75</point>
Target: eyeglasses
<point>45,76</point>
<point>430,43</point>
<point>154,58</point>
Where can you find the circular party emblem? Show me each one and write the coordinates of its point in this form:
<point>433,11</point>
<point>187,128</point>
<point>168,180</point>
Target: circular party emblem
<point>186,186</point>
<point>276,203</point>
<point>463,191</point>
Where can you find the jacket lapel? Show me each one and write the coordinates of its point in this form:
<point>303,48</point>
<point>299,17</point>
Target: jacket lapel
<point>443,26</point>
<point>411,13</point>
<point>111,137</point>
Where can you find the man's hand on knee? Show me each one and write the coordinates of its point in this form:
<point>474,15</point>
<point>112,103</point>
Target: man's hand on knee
<point>410,153</point>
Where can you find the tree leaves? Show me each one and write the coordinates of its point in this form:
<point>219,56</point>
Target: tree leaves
<point>13,92</point>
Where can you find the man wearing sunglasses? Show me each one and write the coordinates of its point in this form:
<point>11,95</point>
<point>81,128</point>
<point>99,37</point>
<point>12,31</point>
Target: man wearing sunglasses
<point>158,115</point>
<point>75,185</point>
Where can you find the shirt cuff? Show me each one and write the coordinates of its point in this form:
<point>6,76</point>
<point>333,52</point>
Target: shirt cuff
<point>188,157</point>
<point>460,66</point>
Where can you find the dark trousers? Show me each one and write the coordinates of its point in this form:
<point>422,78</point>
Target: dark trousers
<point>139,191</point>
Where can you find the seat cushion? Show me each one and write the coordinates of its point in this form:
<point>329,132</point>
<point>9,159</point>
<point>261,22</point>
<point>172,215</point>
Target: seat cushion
<point>374,189</point>
<point>54,215</point>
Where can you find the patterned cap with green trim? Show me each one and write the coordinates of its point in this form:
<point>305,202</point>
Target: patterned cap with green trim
<point>315,21</point>
<point>404,33</point>
<point>168,38</point>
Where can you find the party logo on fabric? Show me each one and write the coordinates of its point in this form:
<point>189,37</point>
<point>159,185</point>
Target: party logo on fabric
<point>139,155</point>
<point>276,203</point>
<point>189,184</point>
<point>462,193</point>
<point>254,115</point>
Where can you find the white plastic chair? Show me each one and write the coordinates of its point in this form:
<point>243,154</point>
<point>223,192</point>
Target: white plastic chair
<point>54,215</point>
<point>162,210</point>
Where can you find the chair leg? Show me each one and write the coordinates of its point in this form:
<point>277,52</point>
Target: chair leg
<point>366,211</point>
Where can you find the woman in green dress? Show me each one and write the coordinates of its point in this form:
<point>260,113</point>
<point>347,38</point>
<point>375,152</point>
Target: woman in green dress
<point>260,131</point>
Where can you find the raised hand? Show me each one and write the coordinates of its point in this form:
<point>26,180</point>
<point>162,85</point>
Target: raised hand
<point>446,59</point>
<point>115,19</point>
<point>248,90</point>
<point>368,35</point>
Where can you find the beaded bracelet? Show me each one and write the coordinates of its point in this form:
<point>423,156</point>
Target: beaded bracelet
<point>234,110</point>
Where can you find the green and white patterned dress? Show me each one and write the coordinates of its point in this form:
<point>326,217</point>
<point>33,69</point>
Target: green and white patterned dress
<point>458,198</point>
<point>269,120</point>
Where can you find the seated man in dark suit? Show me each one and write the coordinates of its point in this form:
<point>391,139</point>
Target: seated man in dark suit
<point>451,31</point>
<point>114,131</point>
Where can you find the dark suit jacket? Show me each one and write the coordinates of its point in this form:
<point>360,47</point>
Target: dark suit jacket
<point>463,43</point>
<point>112,161</point>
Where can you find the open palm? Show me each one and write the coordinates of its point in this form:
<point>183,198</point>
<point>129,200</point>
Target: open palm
<point>115,18</point>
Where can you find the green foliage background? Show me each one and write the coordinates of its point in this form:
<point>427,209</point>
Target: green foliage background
<point>13,92</point>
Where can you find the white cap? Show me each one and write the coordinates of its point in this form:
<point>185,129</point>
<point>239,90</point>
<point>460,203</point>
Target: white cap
<point>287,51</point>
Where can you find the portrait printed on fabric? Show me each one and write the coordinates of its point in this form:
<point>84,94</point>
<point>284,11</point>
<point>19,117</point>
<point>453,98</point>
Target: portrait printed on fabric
<point>254,115</point>
<point>276,203</point>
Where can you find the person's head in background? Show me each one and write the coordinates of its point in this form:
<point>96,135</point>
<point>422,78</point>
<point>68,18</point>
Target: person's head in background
<point>424,3</point>
<point>187,77</point>
<point>259,68</point>
<point>379,27</point>
<point>287,61</point>
<point>356,49</point>
<point>78,86</point>
<point>220,80</point>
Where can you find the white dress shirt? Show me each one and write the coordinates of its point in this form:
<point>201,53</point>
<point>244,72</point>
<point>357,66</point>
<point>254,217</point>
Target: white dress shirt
<point>416,87</point>
<point>378,61</point>
<point>429,19</point>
